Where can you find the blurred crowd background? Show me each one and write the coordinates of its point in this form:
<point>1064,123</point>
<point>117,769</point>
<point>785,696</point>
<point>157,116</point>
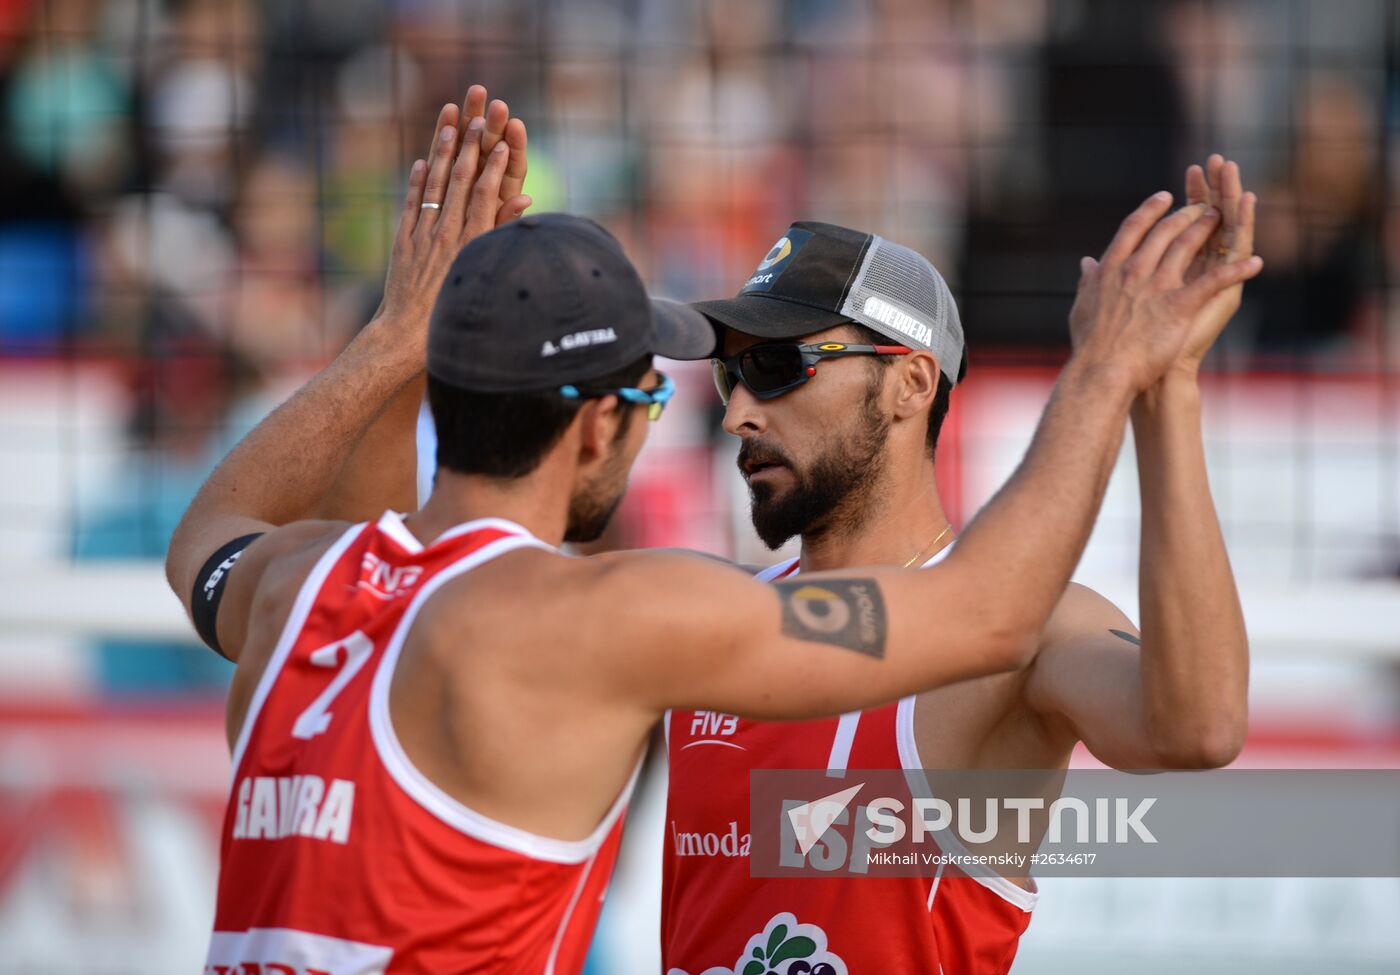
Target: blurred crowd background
<point>196,198</point>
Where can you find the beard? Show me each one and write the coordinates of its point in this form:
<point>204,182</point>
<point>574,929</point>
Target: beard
<point>592,508</point>
<point>834,489</point>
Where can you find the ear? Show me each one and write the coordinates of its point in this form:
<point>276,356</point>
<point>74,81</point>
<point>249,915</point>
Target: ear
<point>916,384</point>
<point>597,422</point>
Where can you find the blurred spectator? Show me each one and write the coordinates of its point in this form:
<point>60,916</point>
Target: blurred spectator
<point>1108,114</point>
<point>203,97</point>
<point>67,106</point>
<point>208,187</point>
<point>1318,230</point>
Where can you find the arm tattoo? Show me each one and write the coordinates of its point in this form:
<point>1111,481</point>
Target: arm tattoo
<point>847,613</point>
<point>1122,635</point>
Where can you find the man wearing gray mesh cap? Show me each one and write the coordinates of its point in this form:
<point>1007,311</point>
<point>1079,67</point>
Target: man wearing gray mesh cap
<point>836,363</point>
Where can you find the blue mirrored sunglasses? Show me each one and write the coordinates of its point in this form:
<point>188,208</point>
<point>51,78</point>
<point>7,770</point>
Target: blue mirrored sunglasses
<point>654,399</point>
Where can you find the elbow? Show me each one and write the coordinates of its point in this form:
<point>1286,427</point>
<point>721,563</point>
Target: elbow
<point>171,571</point>
<point>176,571</point>
<point>1208,745</point>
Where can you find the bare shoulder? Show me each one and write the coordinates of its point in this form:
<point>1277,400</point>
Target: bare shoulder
<point>258,600</point>
<point>264,584</point>
<point>599,619</point>
<point>278,562</point>
<point>543,591</point>
<point>632,555</point>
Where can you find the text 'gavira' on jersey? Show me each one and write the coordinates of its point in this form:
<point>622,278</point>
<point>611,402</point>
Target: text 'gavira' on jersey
<point>272,808</point>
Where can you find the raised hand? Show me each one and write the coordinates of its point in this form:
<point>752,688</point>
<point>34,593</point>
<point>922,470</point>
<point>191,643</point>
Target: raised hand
<point>1136,309</point>
<point>469,183</point>
<point>1218,185</point>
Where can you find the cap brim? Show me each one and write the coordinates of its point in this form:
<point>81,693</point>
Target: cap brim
<point>769,318</point>
<point>681,331</point>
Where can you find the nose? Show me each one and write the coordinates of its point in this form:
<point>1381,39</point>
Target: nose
<point>744,416</point>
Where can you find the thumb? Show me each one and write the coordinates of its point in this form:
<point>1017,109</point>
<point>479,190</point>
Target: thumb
<point>512,208</point>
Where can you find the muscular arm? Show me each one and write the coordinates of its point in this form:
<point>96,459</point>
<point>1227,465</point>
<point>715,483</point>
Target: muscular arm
<point>282,471</point>
<point>830,642</point>
<point>1181,701</point>
<point>381,470</point>
<point>827,643</point>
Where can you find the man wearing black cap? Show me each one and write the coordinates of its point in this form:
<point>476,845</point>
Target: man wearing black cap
<point>840,453</point>
<point>437,719</point>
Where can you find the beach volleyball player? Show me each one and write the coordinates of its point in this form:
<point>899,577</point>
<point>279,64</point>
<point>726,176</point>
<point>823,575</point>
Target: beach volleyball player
<point>436,719</point>
<point>844,459</point>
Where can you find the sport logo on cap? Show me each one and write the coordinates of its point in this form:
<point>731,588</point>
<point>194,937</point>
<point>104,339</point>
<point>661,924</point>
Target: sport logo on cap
<point>776,261</point>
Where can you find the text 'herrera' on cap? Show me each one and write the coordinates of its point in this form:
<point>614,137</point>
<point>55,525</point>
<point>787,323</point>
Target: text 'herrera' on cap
<point>547,300</point>
<point>819,275</point>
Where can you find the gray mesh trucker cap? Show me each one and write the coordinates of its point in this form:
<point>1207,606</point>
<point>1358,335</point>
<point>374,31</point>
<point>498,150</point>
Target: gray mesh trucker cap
<point>819,275</point>
<point>547,300</point>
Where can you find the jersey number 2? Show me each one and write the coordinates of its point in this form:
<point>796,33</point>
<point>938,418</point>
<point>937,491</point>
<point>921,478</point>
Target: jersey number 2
<point>317,718</point>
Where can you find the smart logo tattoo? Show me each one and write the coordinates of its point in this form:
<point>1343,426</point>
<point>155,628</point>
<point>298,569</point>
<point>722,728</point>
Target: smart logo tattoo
<point>847,613</point>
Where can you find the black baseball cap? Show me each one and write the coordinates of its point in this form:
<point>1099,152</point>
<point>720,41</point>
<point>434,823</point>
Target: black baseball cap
<point>819,275</point>
<point>547,300</point>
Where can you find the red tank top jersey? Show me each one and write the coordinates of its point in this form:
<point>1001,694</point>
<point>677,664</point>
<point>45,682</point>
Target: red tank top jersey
<point>338,856</point>
<point>714,915</point>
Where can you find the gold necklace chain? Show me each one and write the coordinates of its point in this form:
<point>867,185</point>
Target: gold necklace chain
<point>936,539</point>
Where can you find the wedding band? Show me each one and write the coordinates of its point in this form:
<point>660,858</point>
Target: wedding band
<point>430,206</point>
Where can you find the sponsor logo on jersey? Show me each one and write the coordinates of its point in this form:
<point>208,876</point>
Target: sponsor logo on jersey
<point>277,807</point>
<point>899,320</point>
<point>783,947</point>
<point>578,340</point>
<point>731,844</point>
<point>713,723</point>
<point>387,581</point>
<point>287,951</point>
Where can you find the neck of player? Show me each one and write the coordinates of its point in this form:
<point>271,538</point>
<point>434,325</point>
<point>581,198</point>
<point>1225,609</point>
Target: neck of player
<point>538,502</point>
<point>896,517</point>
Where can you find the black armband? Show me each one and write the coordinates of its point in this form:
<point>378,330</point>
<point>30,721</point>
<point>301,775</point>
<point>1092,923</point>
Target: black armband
<point>209,590</point>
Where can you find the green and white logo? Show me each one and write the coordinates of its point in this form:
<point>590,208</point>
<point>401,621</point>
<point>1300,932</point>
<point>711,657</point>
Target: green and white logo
<point>784,947</point>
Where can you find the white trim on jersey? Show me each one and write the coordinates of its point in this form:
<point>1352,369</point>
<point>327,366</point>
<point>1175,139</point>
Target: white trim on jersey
<point>427,793</point>
<point>775,571</point>
<point>391,524</point>
<point>840,758</point>
<point>296,620</point>
<point>947,839</point>
<point>584,874</point>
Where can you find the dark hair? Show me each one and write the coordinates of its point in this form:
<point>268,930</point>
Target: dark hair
<point>938,410</point>
<point>506,435</point>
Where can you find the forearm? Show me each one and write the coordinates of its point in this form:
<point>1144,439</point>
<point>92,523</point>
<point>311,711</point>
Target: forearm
<point>1195,653</point>
<point>281,471</point>
<point>1024,545</point>
<point>381,471</point>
